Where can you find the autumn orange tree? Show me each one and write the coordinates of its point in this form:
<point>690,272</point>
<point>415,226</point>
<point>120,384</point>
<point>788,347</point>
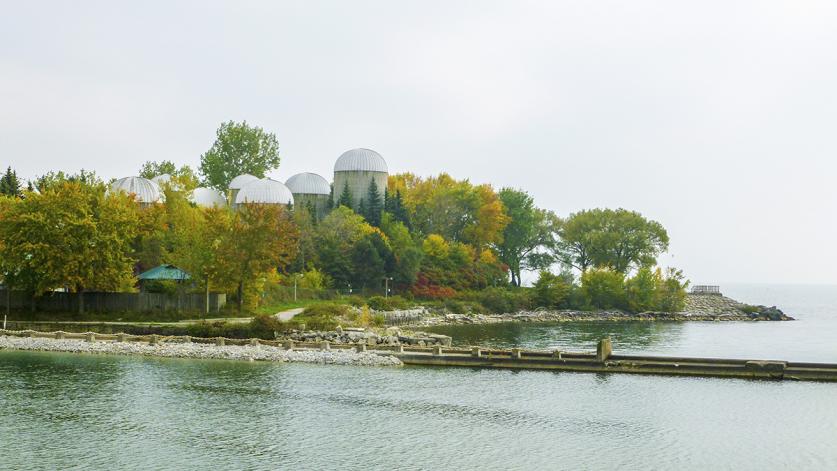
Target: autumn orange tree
<point>258,239</point>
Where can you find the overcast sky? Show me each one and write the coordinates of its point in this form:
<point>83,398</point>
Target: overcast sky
<point>718,119</point>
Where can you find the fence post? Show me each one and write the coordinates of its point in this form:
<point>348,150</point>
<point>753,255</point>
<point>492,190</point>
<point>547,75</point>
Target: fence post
<point>59,335</point>
<point>325,346</point>
<point>120,337</point>
<point>90,337</point>
<point>288,344</point>
<point>437,349</point>
<point>516,354</point>
<point>604,349</point>
<point>254,342</point>
<point>219,341</point>
<point>476,352</point>
<point>154,339</point>
<point>361,347</point>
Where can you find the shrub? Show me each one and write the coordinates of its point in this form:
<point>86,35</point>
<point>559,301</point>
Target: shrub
<point>552,291</point>
<point>323,316</point>
<point>263,326</point>
<point>503,300</point>
<point>380,303</point>
<point>378,320</point>
<point>603,289</point>
<point>671,290</point>
<point>641,291</point>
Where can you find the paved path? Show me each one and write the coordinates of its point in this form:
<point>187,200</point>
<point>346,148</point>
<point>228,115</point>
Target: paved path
<point>285,316</point>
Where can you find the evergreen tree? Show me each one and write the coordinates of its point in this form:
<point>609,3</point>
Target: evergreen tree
<point>363,210</point>
<point>10,184</point>
<point>345,197</point>
<point>330,203</point>
<point>399,211</point>
<point>374,205</point>
<point>312,211</point>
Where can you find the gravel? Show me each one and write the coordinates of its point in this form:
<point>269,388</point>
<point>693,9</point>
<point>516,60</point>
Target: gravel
<point>197,350</point>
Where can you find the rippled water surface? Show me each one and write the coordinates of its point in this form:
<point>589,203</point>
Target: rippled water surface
<point>61,411</point>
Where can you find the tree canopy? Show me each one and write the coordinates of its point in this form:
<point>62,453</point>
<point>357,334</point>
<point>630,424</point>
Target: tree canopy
<point>239,148</point>
<point>531,237</point>
<point>606,238</point>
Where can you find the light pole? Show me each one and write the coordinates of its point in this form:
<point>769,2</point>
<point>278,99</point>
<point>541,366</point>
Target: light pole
<point>387,279</point>
<point>296,277</point>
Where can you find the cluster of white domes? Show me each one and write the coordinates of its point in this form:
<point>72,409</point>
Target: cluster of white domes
<point>360,160</point>
<point>355,168</point>
<point>264,191</point>
<point>145,191</point>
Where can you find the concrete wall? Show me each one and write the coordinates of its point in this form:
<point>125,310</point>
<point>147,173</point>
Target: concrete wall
<point>115,302</point>
<point>320,203</point>
<point>358,185</point>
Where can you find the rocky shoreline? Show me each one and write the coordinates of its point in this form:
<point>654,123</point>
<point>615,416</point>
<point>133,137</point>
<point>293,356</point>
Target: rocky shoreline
<point>357,336</point>
<point>699,308</point>
<point>200,351</point>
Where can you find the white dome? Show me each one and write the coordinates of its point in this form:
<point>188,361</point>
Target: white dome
<point>265,191</point>
<point>238,182</point>
<point>162,179</point>
<point>146,191</point>
<point>308,184</point>
<point>364,160</point>
<point>207,198</point>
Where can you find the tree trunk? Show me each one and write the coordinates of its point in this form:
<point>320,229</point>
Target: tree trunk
<point>206,297</point>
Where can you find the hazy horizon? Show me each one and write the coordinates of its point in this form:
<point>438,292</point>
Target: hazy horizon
<point>715,118</point>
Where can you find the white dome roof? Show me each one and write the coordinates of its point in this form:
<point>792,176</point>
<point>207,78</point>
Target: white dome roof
<point>360,160</point>
<point>207,197</point>
<point>162,179</point>
<point>265,191</point>
<point>238,182</point>
<point>308,184</point>
<point>146,191</point>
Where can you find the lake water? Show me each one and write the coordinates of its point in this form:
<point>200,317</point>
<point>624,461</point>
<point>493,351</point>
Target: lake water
<point>61,411</point>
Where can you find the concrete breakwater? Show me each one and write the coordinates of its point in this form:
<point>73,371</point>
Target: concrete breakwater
<point>604,361</point>
<point>182,347</point>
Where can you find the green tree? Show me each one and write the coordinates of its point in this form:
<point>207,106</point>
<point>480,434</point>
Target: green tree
<point>54,179</point>
<point>606,238</point>
<point>10,184</point>
<point>335,239</point>
<point>552,291</point>
<point>239,148</point>
<point>184,177</point>
<point>374,205</point>
<point>531,237</point>
<point>73,236</point>
<point>258,239</point>
<point>345,197</point>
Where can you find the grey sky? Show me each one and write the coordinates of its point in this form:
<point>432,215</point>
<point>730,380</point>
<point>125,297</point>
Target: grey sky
<point>719,119</point>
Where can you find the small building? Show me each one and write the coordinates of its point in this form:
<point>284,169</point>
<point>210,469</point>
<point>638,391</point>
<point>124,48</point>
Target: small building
<point>356,170</point>
<point>311,191</point>
<point>145,191</point>
<point>165,272</point>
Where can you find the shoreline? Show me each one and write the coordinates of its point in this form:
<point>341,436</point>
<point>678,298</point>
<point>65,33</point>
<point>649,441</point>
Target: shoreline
<point>198,351</point>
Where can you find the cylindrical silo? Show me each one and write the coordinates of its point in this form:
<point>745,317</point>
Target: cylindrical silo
<point>356,170</point>
<point>310,191</point>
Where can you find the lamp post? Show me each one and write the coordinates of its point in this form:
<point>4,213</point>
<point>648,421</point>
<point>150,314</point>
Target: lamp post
<point>387,279</point>
<point>296,277</point>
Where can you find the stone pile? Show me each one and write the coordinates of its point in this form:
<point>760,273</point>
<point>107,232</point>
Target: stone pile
<point>392,336</point>
<point>202,351</point>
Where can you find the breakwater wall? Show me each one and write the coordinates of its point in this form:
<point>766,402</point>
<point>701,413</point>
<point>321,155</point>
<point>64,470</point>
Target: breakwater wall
<point>601,361</point>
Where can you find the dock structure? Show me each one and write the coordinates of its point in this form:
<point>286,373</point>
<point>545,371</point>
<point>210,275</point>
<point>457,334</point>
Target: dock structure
<point>603,360</point>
